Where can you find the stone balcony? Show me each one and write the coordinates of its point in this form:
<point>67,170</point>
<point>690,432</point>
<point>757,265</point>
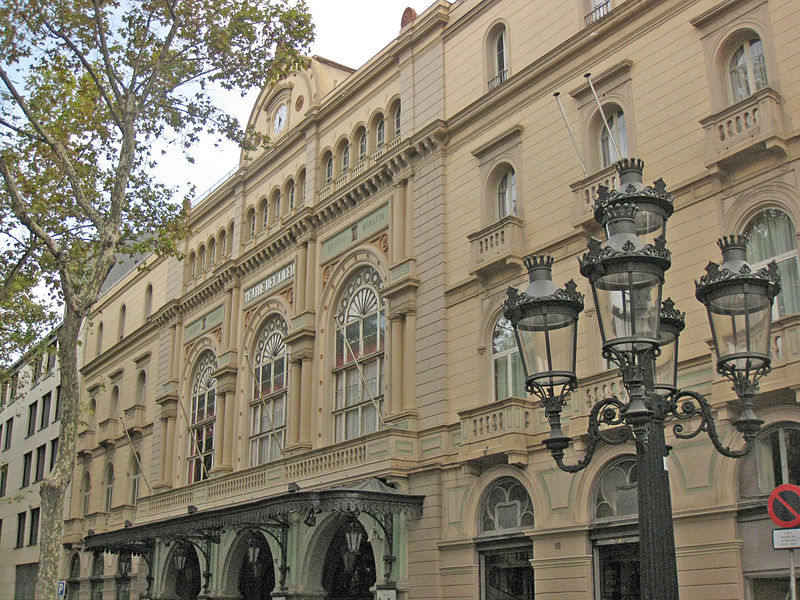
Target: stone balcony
<point>753,124</point>
<point>135,419</point>
<point>86,442</point>
<point>383,452</point>
<point>496,246</point>
<point>108,432</point>
<point>585,191</point>
<point>500,431</point>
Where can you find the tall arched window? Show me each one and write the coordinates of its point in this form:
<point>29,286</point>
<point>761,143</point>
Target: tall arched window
<point>108,488</point>
<point>362,146</point>
<point>201,259</point>
<point>345,151</point>
<point>498,56</point>
<point>192,265</point>
<point>616,123</point>
<point>771,236</point>
<point>264,214</point>
<point>268,407</point>
<point>113,408</point>
<point>276,206</point>
<point>86,488</point>
<point>509,377</point>
<point>74,581</point>
<point>99,347</point>
<point>223,245</point>
<point>776,460</point>
<point>507,194</point>
<point>212,252</point>
<point>251,222</point>
<point>615,503</point>
<point>202,418</point>
<point>398,120</point>
<point>747,69</point>
<point>148,299</point>
<point>141,388</point>
<point>96,581</point>
<point>136,477</point>
<point>359,362</point>
<point>121,321</point>
<point>328,168</point>
<point>505,568</point>
<point>380,133</point>
<point>290,194</point>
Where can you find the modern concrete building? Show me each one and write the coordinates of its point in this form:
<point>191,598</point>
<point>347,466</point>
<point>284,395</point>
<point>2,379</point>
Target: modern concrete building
<point>323,401</point>
<point>30,413</point>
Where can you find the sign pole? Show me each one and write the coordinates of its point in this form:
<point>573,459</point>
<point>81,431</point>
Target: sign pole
<point>792,582</point>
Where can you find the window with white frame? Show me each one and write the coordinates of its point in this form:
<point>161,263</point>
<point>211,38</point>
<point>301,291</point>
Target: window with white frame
<point>498,56</point>
<point>136,478</point>
<point>290,194</point>
<point>109,488</point>
<point>86,487</point>
<point>328,169</point>
<point>345,157</point>
<point>251,221</point>
<point>362,146</point>
<point>276,206</point>
<point>141,388</point>
<point>268,406</point>
<point>506,571</point>
<point>747,69</point>
<point>202,418</point>
<point>778,457</point>
<point>609,154</point>
<point>509,377</point>
<point>507,194</point>
<point>380,133</point>
<point>359,361</point>
<point>771,236</point>
<point>398,120</point>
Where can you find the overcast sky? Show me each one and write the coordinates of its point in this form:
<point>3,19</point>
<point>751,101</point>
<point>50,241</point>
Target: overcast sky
<point>349,32</point>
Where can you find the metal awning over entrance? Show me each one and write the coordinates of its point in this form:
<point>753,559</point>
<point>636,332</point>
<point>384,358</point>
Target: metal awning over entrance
<point>371,496</point>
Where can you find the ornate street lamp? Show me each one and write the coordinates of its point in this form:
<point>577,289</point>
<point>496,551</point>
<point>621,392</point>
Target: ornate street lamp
<point>640,335</point>
<point>253,550</point>
<point>353,534</point>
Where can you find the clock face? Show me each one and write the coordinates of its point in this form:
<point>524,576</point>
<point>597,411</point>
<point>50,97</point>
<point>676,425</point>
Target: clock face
<point>280,119</point>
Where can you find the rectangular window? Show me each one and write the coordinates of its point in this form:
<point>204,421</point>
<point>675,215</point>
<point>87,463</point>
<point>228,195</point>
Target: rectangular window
<point>7,433</point>
<point>32,418</point>
<point>33,536</point>
<point>41,453</point>
<point>57,416</point>
<point>20,529</point>
<point>52,352</point>
<point>4,393</point>
<point>44,420</point>
<point>53,453</point>
<point>25,581</point>
<point>26,468</point>
<point>3,479</point>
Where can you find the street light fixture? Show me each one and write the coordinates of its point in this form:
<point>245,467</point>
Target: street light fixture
<point>640,335</point>
<point>353,534</point>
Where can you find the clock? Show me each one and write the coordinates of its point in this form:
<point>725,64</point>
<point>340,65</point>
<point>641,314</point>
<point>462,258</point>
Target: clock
<point>280,119</point>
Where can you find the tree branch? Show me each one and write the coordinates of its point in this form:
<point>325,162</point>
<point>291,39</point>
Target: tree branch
<point>22,132</point>
<point>101,34</point>
<point>58,148</point>
<point>9,279</point>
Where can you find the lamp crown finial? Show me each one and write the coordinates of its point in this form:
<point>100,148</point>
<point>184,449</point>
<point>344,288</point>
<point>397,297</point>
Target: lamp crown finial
<point>621,212</point>
<point>625,165</point>
<point>538,261</point>
<point>727,242</point>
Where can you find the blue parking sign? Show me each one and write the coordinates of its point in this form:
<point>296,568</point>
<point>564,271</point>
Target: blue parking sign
<point>62,588</point>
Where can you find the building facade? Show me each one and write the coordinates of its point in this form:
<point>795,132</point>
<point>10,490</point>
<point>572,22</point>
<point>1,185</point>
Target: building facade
<point>322,400</point>
<point>30,413</point>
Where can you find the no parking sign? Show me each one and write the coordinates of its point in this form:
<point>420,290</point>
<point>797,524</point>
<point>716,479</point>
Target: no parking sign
<point>784,505</point>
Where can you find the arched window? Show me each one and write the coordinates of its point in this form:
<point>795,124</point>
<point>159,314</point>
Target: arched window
<point>99,338</point>
<point>776,460</point>
<point>359,364</point>
<point>109,488</point>
<point>276,206</point>
<point>86,488</point>
<point>202,417</point>
<point>615,499</point>
<point>290,194</point>
<point>121,321</point>
<point>506,570</point>
<point>113,408</point>
<point>136,478</point>
<point>328,168</point>
<point>507,506</point>
<point>345,157</point>
<point>301,186</point>
<point>96,581</point>
<point>380,133</point>
<point>74,581</point>
<point>362,146</point>
<point>747,70</point>
<point>148,299</point>
<point>771,236</point>
<point>507,194</point>
<point>264,215</point>
<point>123,579</point>
<point>398,120</point>
<point>192,265</point>
<point>223,244</point>
<point>212,252</point>
<point>251,222</point>
<point>509,377</point>
<point>498,56</point>
<point>268,407</point>
<point>201,259</point>
<point>91,418</point>
<point>616,123</point>
<point>141,388</point>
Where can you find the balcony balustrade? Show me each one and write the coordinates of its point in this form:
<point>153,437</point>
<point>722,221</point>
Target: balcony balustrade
<point>86,442</point>
<point>497,245</point>
<point>108,432</point>
<point>506,427</point>
<point>586,191</point>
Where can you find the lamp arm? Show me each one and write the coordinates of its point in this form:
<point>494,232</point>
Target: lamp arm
<point>608,413</point>
<point>686,404</point>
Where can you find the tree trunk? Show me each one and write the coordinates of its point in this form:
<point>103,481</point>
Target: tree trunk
<point>54,486</point>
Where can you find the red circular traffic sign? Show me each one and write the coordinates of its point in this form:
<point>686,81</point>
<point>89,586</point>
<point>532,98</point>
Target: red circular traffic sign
<point>784,505</point>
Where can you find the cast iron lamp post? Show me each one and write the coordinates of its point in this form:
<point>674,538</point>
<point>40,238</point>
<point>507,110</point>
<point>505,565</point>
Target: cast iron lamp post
<point>640,336</point>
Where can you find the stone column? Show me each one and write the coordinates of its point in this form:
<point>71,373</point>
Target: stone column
<point>300,279</point>
<point>409,366</point>
<point>306,399</point>
<point>396,371</point>
<point>169,413</point>
<point>230,436</point>
<point>219,434</point>
<point>310,275</point>
<point>398,230</point>
<point>293,425</point>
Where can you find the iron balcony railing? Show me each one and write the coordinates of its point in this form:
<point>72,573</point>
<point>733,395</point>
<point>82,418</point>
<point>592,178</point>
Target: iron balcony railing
<point>498,79</point>
<point>598,13</point>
